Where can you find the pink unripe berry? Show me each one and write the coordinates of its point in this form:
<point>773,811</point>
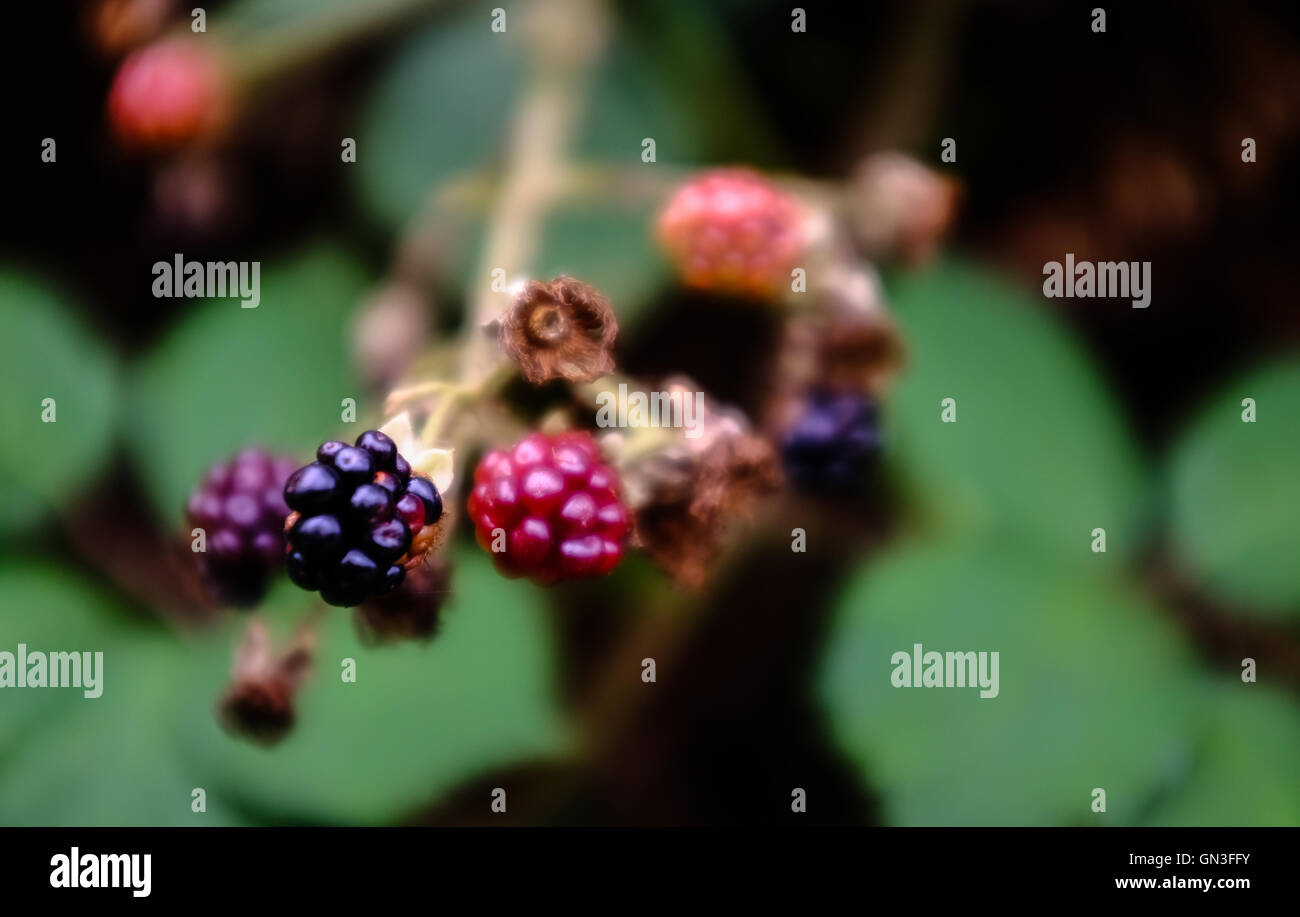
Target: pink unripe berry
<point>732,230</point>
<point>169,94</point>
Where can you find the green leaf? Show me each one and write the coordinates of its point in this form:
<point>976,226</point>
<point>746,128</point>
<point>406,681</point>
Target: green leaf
<point>68,759</point>
<point>47,611</point>
<point>442,107</point>
<point>1038,445</point>
<point>48,354</point>
<point>608,246</point>
<point>255,15</point>
<point>1245,773</point>
<point>1092,689</point>
<point>228,377</point>
<point>418,720</point>
<point>1235,494</point>
<point>630,99</point>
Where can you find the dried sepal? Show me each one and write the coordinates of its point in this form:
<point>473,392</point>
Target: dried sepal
<point>561,329</point>
<point>438,465</point>
<point>685,495</point>
<point>259,702</point>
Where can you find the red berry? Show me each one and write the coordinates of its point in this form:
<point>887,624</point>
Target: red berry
<point>410,509</point>
<point>557,504</point>
<point>168,94</point>
<point>732,230</point>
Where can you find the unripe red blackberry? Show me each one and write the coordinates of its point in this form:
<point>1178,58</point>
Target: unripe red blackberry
<point>731,230</point>
<point>240,506</point>
<point>552,505</point>
<point>168,94</point>
<point>359,519</point>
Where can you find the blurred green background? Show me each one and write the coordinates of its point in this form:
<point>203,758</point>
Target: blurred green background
<point>1118,670</point>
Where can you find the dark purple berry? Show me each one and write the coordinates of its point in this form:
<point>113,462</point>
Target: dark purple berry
<point>832,441</point>
<point>369,504</point>
<point>342,596</point>
<point>312,488</point>
<point>319,538</point>
<point>325,454</point>
<point>388,540</point>
<point>354,465</point>
<point>424,489</point>
<point>302,573</point>
<point>356,571</point>
<point>393,578</point>
<point>382,449</point>
<point>402,468</point>
<point>360,510</point>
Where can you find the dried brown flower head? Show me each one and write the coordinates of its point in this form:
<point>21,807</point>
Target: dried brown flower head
<point>685,495</point>
<point>258,705</point>
<point>563,329</point>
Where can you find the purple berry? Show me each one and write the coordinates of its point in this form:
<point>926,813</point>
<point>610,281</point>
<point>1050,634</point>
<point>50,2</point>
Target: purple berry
<point>241,507</point>
<point>320,538</point>
<point>351,543</point>
<point>387,540</point>
<point>832,441</point>
<point>301,571</point>
<point>402,468</point>
<point>325,454</point>
<point>382,449</point>
<point>424,489</point>
<point>312,488</point>
<point>354,465</point>
<point>369,504</point>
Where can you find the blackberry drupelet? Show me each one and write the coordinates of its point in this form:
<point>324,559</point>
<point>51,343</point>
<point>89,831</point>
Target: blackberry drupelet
<point>358,514</point>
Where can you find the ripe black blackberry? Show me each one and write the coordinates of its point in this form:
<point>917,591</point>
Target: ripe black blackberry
<point>240,507</point>
<point>831,442</point>
<point>359,517</point>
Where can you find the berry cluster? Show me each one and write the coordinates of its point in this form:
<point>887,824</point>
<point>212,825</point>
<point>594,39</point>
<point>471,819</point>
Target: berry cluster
<point>240,507</point>
<point>731,230</point>
<point>359,515</point>
<point>832,440</point>
<point>549,508</point>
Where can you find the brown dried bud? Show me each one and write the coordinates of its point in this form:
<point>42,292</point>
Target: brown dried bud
<point>563,329</point>
<point>852,343</point>
<point>258,705</point>
<point>901,207</point>
<point>683,496</point>
<point>413,612</point>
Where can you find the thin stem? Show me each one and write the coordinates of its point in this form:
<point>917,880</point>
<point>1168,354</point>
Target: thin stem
<point>543,126</point>
<point>259,56</point>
